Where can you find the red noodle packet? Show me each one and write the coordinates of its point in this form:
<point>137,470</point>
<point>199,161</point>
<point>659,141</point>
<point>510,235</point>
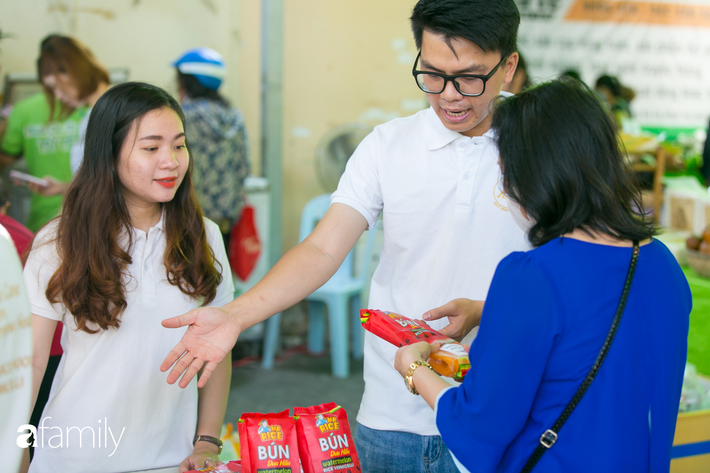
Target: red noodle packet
<point>325,442</point>
<point>268,443</point>
<point>451,360</point>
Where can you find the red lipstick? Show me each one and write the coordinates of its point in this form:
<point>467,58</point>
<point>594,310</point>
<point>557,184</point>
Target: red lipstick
<point>168,183</point>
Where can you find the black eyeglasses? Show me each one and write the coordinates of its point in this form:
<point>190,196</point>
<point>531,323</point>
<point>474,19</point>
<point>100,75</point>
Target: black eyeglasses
<point>470,85</point>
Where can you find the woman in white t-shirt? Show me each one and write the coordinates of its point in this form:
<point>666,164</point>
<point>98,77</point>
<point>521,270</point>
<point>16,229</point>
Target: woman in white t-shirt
<point>130,248</point>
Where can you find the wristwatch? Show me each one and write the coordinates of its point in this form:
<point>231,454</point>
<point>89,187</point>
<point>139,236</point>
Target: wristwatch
<point>207,438</point>
<point>408,378</point>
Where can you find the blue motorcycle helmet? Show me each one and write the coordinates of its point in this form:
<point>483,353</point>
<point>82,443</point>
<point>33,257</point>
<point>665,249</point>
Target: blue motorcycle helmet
<point>205,64</point>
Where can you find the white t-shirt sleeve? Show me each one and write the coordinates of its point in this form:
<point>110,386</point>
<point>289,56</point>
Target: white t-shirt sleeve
<point>76,155</point>
<point>359,186</point>
<point>15,355</point>
<point>225,290</point>
<point>41,264</point>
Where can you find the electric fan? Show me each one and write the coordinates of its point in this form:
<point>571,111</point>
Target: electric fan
<point>333,151</point>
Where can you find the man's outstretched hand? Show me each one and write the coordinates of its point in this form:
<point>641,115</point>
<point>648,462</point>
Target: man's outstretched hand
<point>209,338</point>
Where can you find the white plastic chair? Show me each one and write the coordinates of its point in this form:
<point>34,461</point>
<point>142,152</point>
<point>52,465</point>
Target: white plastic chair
<point>341,296</point>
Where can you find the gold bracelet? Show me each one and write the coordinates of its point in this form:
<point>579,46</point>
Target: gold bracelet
<point>408,381</point>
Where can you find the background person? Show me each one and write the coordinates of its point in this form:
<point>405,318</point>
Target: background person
<point>22,238</point>
<point>434,177</point>
<point>42,130</point>
<point>217,137</point>
<point>534,350</point>
<point>71,74</point>
<point>571,73</point>
<point>15,358</point>
<point>130,246</point>
<point>618,98</point>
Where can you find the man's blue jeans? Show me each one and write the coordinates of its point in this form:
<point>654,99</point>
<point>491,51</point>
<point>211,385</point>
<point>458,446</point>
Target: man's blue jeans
<point>384,451</point>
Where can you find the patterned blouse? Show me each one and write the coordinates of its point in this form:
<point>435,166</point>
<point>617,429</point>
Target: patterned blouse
<point>218,145</point>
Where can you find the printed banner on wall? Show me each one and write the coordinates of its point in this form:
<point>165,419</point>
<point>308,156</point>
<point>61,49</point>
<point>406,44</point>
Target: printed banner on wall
<point>661,50</point>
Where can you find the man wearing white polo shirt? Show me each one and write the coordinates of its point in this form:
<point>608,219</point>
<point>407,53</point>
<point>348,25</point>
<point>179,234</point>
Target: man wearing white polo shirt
<point>434,178</point>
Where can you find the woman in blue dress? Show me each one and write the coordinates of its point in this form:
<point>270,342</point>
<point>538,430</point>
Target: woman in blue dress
<point>549,310</point>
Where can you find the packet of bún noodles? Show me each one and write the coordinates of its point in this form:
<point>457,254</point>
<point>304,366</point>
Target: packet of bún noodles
<point>451,360</point>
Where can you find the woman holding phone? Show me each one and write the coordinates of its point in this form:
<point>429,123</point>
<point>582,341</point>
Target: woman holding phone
<point>70,74</point>
<point>41,129</point>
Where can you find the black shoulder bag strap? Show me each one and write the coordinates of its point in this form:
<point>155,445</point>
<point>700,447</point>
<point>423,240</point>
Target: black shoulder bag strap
<point>549,438</point>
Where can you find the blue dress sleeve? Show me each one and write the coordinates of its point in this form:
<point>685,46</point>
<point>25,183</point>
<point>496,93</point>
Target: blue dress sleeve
<point>520,322</point>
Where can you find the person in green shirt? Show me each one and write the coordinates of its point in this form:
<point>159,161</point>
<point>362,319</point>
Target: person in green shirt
<point>45,144</point>
<point>47,129</point>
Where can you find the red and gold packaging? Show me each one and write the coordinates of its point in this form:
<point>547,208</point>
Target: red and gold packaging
<point>451,360</point>
<point>325,441</point>
<point>269,443</point>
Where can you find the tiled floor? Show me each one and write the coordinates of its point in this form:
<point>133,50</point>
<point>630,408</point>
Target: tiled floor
<point>297,379</point>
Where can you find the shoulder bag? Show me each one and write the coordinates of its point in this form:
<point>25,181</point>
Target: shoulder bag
<point>549,437</point>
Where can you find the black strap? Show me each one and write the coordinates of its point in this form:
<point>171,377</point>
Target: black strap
<point>549,437</point>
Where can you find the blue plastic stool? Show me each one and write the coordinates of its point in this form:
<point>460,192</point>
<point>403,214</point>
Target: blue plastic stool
<point>341,295</point>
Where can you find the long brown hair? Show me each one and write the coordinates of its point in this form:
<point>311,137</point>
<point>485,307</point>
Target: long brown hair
<point>91,277</point>
<point>62,54</point>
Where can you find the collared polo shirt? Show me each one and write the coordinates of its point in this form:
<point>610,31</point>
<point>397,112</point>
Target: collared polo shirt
<point>446,227</point>
<point>108,391</point>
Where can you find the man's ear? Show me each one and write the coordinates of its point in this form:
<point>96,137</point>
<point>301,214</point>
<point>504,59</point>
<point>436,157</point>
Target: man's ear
<point>510,65</point>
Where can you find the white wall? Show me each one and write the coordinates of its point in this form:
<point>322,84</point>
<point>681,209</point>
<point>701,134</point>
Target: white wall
<point>344,61</point>
<point>143,35</point>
